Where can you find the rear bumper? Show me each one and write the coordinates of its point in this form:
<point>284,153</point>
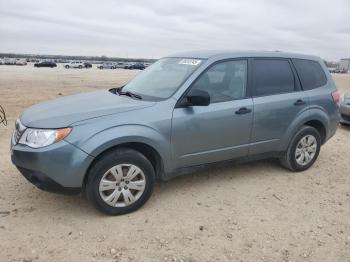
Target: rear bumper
<point>345,113</point>
<point>345,119</point>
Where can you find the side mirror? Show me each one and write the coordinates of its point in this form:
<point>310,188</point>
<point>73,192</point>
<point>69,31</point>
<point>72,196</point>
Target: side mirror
<point>195,98</point>
<point>198,97</point>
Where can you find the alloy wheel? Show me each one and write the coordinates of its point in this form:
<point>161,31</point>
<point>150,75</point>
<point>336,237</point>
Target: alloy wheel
<point>122,185</point>
<point>306,150</point>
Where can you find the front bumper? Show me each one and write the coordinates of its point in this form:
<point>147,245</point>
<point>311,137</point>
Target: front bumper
<point>60,167</point>
<point>44,182</point>
<point>345,113</point>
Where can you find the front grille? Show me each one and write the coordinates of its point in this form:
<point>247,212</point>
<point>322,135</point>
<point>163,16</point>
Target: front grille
<point>19,130</point>
<point>345,117</point>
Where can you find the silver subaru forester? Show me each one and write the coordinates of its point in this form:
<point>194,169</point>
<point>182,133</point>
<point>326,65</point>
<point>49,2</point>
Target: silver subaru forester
<point>184,111</point>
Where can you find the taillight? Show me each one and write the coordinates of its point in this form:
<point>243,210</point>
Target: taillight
<point>336,97</point>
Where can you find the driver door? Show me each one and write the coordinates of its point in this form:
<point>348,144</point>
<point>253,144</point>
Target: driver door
<point>221,130</point>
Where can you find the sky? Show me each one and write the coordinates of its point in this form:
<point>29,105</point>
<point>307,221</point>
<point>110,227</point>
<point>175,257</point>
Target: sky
<point>156,28</point>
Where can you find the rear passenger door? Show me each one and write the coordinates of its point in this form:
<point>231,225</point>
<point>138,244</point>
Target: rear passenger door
<point>277,99</point>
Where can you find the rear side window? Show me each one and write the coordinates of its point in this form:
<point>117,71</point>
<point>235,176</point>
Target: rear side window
<point>310,73</point>
<point>272,76</point>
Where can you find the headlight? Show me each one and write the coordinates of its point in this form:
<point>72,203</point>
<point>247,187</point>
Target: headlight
<point>43,137</point>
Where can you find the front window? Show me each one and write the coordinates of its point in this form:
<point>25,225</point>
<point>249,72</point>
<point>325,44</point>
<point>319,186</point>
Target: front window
<point>224,81</point>
<point>160,80</point>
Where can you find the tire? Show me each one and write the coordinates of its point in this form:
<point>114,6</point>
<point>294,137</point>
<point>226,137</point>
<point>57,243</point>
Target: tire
<point>125,159</point>
<point>290,159</point>
<point>80,67</point>
<point>67,66</point>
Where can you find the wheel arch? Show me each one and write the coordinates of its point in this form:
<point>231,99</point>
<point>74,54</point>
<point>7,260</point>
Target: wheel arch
<point>314,117</point>
<point>320,127</point>
<point>145,149</point>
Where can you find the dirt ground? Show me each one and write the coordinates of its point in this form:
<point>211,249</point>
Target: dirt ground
<point>248,212</point>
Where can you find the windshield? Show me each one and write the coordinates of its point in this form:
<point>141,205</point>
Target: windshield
<point>160,80</point>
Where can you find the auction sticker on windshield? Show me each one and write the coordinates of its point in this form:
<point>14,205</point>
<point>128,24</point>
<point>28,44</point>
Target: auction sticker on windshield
<point>193,62</point>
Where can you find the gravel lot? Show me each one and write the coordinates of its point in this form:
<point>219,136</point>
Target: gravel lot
<point>247,212</point>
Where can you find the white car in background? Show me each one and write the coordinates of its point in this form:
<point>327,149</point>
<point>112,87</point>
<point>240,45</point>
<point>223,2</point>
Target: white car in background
<point>75,64</point>
<point>9,61</point>
<point>21,62</point>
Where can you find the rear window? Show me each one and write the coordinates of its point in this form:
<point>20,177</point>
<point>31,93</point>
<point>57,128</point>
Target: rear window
<point>272,76</point>
<point>310,73</point>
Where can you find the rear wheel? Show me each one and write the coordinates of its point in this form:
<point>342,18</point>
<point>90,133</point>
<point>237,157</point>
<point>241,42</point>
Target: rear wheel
<point>80,67</point>
<point>67,66</point>
<point>120,182</point>
<point>303,150</point>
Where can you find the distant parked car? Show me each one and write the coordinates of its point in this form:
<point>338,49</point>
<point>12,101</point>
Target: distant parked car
<point>107,65</point>
<point>74,64</point>
<point>139,66</point>
<point>1,62</point>
<point>345,109</point>
<point>21,62</point>
<point>332,70</point>
<point>9,61</point>
<point>87,65</point>
<point>340,71</point>
<point>45,64</point>
<point>120,65</point>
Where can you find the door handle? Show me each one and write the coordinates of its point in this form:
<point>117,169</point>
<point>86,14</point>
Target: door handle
<point>243,110</point>
<point>299,102</point>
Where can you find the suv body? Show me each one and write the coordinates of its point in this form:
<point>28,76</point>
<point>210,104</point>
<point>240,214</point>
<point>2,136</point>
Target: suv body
<point>75,64</point>
<point>203,107</point>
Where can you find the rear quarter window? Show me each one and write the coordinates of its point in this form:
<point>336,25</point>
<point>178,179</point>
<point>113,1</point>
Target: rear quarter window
<point>310,73</point>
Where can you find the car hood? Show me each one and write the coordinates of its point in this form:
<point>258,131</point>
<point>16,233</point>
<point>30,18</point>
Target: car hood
<point>65,111</point>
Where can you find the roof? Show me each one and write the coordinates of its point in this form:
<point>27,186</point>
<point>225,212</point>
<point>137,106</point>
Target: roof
<point>206,54</point>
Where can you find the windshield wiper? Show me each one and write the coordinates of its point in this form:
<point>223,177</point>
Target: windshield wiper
<point>119,91</point>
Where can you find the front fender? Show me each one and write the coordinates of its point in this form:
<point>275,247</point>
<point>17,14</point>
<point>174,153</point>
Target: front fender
<point>114,136</point>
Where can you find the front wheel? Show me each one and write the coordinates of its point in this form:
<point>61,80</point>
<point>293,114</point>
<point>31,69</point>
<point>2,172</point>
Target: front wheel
<point>120,182</point>
<point>303,150</point>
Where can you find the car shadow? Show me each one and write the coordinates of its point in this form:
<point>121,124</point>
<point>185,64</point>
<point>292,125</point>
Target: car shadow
<point>198,180</point>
